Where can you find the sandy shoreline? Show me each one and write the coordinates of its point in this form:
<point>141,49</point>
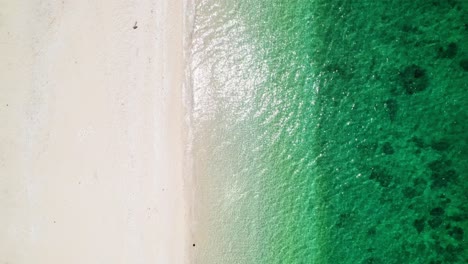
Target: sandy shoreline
<point>92,153</point>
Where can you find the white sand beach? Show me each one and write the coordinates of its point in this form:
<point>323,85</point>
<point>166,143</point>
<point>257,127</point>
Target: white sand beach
<point>93,132</point>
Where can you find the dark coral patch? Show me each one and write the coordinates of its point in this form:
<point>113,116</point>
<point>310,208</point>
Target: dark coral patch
<point>440,145</point>
<point>409,192</point>
<point>457,233</point>
<point>442,173</point>
<point>414,79</point>
<point>336,70</point>
<point>459,218</point>
<point>344,219</point>
<point>464,64</point>
<point>418,142</point>
<point>439,165</point>
<point>367,148</point>
<point>437,211</point>
<point>391,107</point>
<point>435,222</point>
<point>381,176</point>
<point>445,3</point>
<point>448,52</point>
<point>421,182</point>
<point>443,178</point>
<point>372,231</point>
<point>451,253</point>
<point>444,200</point>
<point>419,225</point>
<point>371,260</point>
<point>387,148</point>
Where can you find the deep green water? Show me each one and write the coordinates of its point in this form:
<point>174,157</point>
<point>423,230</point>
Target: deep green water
<point>330,131</point>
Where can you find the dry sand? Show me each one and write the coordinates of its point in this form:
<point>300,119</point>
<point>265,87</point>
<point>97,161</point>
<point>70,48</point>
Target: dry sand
<point>92,138</point>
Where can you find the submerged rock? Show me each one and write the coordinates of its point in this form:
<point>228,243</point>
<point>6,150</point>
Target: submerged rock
<point>414,79</point>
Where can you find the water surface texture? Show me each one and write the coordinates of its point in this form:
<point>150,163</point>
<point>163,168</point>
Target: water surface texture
<point>330,131</point>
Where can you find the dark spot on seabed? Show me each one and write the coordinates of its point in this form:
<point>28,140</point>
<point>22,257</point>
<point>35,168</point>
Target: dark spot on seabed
<point>370,250</point>
<point>440,145</point>
<point>337,70</point>
<point>457,233</point>
<point>444,199</point>
<point>387,148</point>
<point>439,165</point>
<point>442,173</point>
<point>391,107</point>
<point>410,192</point>
<point>443,178</point>
<point>458,218</point>
<point>342,219</point>
<point>448,52</point>
<point>414,79</point>
<point>409,28</point>
<point>437,211</point>
<point>135,26</point>
<point>372,231</point>
<point>381,176</point>
<point>450,252</point>
<point>367,148</point>
<point>371,260</point>
<point>421,182</point>
<point>435,222</point>
<point>464,64</point>
<point>449,3</point>
<point>418,142</point>
<point>419,225</point>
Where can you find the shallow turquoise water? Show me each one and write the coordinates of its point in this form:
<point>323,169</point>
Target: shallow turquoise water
<point>330,131</point>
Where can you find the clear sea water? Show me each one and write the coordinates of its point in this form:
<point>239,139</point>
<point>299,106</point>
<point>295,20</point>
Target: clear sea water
<point>330,131</point>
